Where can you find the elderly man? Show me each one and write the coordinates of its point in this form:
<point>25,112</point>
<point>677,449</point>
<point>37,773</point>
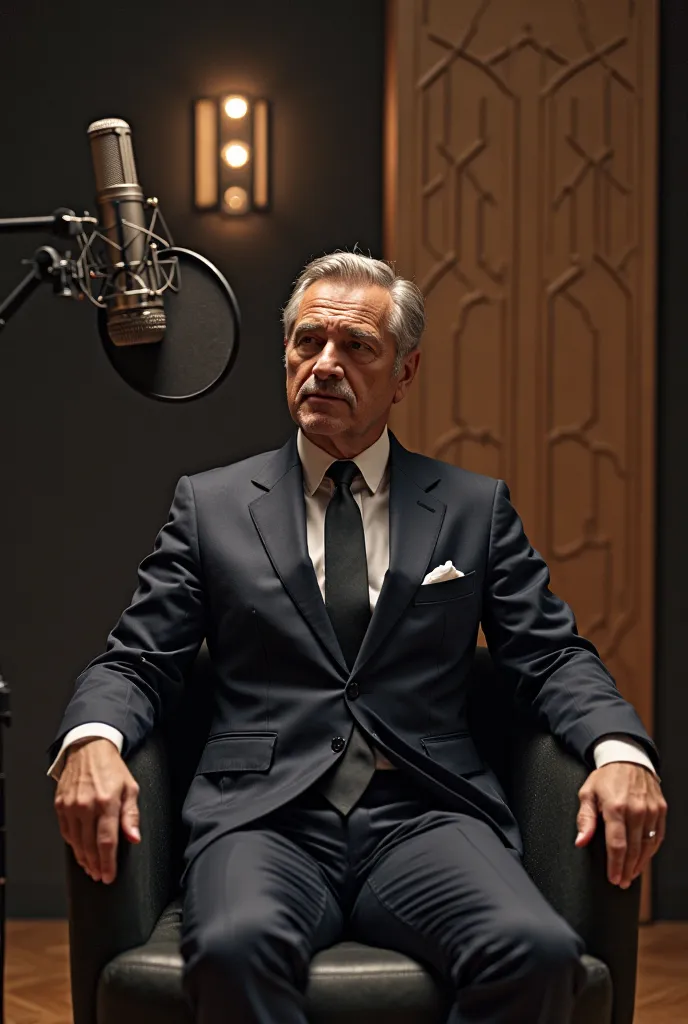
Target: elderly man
<point>340,583</point>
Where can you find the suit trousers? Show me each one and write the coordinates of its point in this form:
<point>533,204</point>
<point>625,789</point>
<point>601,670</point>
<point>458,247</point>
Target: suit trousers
<point>399,872</point>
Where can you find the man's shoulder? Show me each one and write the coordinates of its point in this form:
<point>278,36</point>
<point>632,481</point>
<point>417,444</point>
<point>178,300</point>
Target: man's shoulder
<point>449,477</point>
<point>232,475</point>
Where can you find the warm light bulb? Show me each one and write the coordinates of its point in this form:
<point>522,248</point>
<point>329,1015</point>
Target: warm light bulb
<point>236,107</point>
<point>236,199</point>
<point>235,154</point>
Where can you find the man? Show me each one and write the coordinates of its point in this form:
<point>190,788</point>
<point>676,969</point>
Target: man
<point>340,583</point>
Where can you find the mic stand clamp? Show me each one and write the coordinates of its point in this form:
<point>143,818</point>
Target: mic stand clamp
<point>47,264</point>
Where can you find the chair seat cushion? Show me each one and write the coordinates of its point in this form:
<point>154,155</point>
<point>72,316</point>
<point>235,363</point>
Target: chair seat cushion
<point>349,982</point>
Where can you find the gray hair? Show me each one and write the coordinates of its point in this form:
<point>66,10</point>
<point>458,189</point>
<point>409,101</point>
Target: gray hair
<point>406,319</point>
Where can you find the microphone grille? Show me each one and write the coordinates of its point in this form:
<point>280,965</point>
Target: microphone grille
<point>113,156</point>
<point>137,326</point>
<point>105,124</point>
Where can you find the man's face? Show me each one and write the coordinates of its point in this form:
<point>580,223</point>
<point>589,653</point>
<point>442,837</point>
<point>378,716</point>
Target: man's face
<point>340,360</point>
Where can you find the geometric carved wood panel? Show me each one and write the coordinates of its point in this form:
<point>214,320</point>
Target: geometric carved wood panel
<point>520,195</point>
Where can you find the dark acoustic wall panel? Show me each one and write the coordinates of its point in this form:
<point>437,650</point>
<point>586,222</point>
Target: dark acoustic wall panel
<point>88,466</point>
<point>671,875</point>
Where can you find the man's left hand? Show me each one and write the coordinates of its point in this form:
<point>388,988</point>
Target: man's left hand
<point>630,800</point>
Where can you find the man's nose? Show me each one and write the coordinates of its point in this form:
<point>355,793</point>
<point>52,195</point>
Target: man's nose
<point>327,364</point>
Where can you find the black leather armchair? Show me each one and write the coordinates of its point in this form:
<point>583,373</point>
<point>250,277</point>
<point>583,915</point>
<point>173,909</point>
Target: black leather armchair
<point>125,959</point>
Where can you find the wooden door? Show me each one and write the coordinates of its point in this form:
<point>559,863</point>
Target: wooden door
<point>520,195</point>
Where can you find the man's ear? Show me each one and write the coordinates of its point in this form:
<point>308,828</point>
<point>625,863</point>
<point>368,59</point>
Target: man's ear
<point>405,378</point>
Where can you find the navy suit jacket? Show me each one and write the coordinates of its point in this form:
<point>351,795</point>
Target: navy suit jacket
<point>231,565</point>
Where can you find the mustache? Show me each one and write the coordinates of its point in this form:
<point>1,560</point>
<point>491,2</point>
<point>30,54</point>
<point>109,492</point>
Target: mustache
<point>332,389</point>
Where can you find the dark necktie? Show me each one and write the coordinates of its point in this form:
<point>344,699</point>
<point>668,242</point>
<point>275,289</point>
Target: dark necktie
<point>348,605</point>
<point>346,568</point>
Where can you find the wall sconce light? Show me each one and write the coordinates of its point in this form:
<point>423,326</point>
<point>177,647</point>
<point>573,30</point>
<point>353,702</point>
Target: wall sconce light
<point>231,144</point>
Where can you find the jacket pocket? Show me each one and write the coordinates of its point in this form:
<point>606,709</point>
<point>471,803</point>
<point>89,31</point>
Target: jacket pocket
<point>238,752</point>
<point>450,590</point>
<point>455,750</point>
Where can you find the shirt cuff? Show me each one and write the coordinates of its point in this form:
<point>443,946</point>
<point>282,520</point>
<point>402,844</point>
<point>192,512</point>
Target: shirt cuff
<point>88,731</point>
<point>621,748</point>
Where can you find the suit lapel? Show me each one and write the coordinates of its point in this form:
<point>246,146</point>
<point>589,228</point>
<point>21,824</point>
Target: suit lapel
<point>415,519</point>
<point>280,518</point>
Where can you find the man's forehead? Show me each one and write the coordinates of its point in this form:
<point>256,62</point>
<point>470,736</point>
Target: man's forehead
<point>336,290</point>
<point>342,303</point>
<point>345,325</point>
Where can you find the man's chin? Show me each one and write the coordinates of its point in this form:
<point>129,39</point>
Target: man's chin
<point>316,422</point>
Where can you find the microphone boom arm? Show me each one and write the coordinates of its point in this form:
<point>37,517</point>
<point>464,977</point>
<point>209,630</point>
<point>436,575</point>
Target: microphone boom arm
<point>62,222</point>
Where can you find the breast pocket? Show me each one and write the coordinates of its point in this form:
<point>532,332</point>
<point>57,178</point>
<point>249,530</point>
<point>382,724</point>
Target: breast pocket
<point>450,590</point>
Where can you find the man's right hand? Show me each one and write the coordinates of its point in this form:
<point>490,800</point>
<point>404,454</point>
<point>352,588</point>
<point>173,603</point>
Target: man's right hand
<point>96,794</point>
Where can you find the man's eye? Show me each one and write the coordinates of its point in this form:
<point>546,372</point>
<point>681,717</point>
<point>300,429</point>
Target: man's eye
<point>360,346</point>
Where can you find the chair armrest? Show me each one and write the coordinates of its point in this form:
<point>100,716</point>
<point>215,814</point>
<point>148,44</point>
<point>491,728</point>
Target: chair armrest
<point>546,780</point>
<point>105,920</point>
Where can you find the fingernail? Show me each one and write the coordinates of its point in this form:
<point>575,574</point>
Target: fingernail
<point>579,836</point>
<point>135,832</point>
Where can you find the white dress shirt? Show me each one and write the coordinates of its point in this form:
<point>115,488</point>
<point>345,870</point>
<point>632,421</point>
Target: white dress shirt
<point>371,492</point>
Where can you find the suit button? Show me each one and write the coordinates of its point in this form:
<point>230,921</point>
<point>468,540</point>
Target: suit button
<point>337,744</point>
<point>352,691</point>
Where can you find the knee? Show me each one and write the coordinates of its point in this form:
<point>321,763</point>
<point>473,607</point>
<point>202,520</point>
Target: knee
<point>243,947</point>
<point>521,948</point>
<point>219,947</point>
<point>542,948</point>
<point>229,947</point>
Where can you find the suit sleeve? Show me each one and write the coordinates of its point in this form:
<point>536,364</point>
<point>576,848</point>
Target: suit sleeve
<point>533,639</point>
<point>155,641</point>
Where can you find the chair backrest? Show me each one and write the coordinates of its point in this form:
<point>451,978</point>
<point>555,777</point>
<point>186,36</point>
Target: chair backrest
<point>490,710</point>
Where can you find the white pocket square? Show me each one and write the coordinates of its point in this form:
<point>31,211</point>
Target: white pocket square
<point>442,573</point>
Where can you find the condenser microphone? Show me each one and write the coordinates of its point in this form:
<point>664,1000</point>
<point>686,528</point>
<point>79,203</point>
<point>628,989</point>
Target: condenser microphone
<point>144,288</point>
<point>132,294</point>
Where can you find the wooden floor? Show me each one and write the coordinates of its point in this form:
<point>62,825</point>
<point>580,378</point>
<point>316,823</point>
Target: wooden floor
<point>37,985</point>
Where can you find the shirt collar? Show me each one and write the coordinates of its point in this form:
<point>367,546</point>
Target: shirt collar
<point>315,462</point>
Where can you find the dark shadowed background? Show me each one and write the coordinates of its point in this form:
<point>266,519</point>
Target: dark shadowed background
<point>671,686</point>
<point>88,466</point>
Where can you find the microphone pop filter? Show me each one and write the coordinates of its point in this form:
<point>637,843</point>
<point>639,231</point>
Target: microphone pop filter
<point>201,336</point>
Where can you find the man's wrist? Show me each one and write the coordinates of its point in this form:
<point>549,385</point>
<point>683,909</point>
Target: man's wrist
<point>615,748</point>
<point>77,744</point>
<point>87,731</point>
